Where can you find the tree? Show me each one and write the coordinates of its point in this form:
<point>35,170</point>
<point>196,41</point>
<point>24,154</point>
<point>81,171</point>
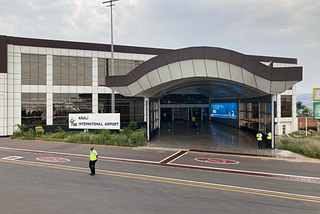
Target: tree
<point>306,112</point>
<point>300,108</point>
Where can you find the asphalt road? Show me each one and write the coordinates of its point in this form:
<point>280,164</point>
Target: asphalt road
<point>132,180</point>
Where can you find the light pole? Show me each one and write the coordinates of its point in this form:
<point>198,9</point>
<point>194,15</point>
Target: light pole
<point>110,4</point>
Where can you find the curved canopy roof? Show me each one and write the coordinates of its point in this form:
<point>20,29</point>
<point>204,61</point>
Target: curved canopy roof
<point>212,72</point>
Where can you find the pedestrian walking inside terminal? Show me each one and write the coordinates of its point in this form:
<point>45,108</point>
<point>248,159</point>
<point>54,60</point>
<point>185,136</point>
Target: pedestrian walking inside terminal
<point>269,137</point>
<point>93,160</point>
<point>259,139</point>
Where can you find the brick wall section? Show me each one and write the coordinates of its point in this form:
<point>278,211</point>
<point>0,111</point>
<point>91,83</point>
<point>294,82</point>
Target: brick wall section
<point>312,124</point>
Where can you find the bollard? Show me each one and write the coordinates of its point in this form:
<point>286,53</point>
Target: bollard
<point>311,132</point>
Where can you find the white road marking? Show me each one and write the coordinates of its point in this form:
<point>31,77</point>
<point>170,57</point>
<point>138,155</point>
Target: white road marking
<point>12,158</point>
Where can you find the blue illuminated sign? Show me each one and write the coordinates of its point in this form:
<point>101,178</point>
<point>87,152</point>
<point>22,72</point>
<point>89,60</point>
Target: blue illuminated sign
<point>223,110</point>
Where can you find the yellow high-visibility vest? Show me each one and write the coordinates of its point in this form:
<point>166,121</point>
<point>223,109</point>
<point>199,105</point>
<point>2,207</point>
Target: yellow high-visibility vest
<point>93,155</point>
<point>259,137</point>
<point>269,136</point>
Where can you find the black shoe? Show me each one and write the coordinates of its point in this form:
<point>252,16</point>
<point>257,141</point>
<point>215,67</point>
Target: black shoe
<point>91,174</point>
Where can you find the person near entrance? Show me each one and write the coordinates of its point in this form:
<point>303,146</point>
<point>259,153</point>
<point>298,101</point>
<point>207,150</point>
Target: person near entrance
<point>259,139</point>
<point>93,160</point>
<point>194,122</point>
<point>269,137</point>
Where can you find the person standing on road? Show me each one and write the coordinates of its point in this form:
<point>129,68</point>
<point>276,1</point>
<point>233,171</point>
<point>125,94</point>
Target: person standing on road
<point>259,139</point>
<point>269,137</point>
<point>93,160</point>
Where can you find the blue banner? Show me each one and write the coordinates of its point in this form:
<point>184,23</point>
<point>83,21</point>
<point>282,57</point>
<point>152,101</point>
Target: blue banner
<point>223,110</point>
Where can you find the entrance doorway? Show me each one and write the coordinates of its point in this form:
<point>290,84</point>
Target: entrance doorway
<point>166,114</point>
<point>195,112</point>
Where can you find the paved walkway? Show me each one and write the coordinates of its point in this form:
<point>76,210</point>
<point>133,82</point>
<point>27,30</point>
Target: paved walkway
<point>212,137</point>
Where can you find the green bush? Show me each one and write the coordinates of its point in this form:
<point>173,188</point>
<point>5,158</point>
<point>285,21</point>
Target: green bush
<point>133,126</point>
<point>20,130</point>
<point>30,135</point>
<point>58,129</point>
<point>137,137</point>
<point>39,131</point>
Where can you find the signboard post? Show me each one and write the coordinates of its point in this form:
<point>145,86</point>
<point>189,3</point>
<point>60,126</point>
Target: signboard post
<point>94,121</point>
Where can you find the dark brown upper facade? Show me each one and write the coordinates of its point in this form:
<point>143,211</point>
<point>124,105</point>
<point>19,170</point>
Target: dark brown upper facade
<point>5,40</point>
<point>246,62</point>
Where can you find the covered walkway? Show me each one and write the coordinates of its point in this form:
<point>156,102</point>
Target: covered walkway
<point>210,136</point>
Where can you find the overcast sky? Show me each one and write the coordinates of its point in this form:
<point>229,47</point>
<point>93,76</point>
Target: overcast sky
<point>283,28</point>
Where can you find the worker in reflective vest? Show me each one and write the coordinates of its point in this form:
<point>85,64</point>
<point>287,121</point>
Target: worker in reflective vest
<point>93,160</point>
<point>269,137</point>
<point>259,139</point>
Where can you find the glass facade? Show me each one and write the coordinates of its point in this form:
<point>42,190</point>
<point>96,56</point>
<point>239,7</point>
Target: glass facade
<point>255,114</point>
<point>130,108</point>
<point>33,108</point>
<point>286,105</point>
<point>64,103</point>
<point>33,69</point>
<point>184,99</point>
<point>72,71</point>
<point>121,67</point>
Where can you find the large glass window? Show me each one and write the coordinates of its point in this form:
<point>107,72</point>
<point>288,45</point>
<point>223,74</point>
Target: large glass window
<point>33,69</point>
<point>33,108</point>
<point>130,108</point>
<point>121,67</point>
<point>286,106</point>
<point>256,114</point>
<point>64,103</point>
<point>74,71</point>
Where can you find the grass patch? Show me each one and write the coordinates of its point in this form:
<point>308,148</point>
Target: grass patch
<point>129,137</point>
<point>307,146</point>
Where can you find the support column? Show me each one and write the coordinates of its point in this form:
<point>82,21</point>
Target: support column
<point>201,113</point>
<point>273,98</point>
<point>259,110</point>
<point>172,114</point>
<point>147,109</point>
<point>159,113</point>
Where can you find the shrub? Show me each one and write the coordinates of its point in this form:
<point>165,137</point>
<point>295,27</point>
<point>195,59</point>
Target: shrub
<point>30,134</point>
<point>133,126</point>
<point>39,131</point>
<point>19,132</point>
<point>58,129</point>
<point>137,137</point>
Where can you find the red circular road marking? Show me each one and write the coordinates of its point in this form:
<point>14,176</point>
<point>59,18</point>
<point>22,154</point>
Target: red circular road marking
<point>215,160</point>
<point>53,159</point>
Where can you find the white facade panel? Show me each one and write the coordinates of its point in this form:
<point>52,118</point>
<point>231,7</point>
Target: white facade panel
<point>164,74</point>
<point>153,78</point>
<point>199,68</point>
<point>144,82</point>
<point>223,70</point>
<point>248,78</point>
<point>212,69</point>
<point>236,73</point>
<point>187,68</point>
<point>134,88</point>
<point>175,70</point>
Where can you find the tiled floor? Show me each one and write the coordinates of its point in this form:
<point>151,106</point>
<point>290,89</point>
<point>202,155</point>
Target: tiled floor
<point>211,136</point>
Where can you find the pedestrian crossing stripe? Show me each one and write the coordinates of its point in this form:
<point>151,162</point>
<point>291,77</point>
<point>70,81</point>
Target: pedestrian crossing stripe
<point>12,158</point>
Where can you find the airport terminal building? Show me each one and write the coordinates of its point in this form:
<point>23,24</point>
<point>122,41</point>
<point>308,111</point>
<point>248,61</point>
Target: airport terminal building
<point>42,81</point>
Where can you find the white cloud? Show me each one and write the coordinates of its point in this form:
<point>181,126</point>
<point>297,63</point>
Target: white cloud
<point>288,28</point>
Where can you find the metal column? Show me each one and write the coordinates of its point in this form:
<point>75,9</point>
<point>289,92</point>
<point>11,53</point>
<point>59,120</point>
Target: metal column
<point>272,121</point>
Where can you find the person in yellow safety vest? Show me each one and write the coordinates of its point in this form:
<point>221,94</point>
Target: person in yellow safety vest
<point>269,137</point>
<point>259,139</point>
<point>194,122</point>
<point>93,160</point>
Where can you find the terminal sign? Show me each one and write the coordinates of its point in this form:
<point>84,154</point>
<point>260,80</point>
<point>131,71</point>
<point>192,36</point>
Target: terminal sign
<point>94,121</point>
